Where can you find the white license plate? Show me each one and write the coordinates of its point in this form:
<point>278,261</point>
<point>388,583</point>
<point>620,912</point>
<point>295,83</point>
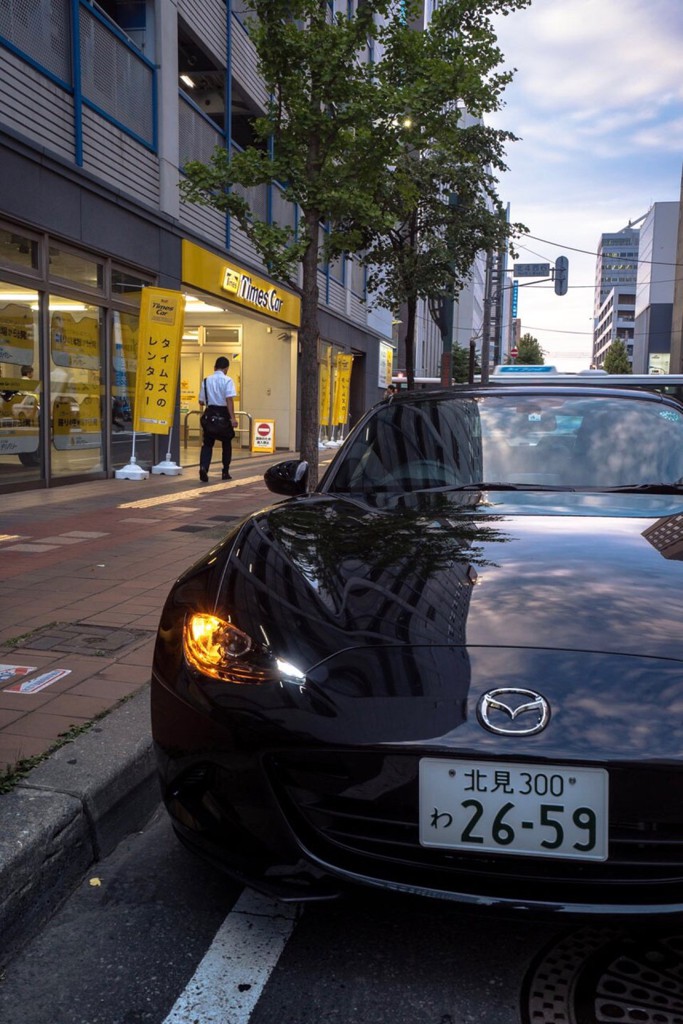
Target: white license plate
<point>549,811</point>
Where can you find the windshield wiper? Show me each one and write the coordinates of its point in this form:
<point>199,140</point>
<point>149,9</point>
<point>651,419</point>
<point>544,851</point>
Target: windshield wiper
<point>676,488</point>
<point>503,485</point>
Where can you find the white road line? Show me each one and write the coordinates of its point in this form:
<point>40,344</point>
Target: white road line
<point>230,979</point>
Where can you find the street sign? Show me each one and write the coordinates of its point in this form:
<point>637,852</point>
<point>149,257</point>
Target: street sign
<point>514,352</point>
<point>263,436</point>
<point>532,270</point>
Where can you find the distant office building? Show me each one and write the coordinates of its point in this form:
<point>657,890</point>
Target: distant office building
<point>615,321</point>
<point>676,362</point>
<point>655,289</point>
<point>616,273</point>
<point>617,263</point>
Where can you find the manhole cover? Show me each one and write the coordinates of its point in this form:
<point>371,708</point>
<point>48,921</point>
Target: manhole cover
<point>603,976</point>
<point>79,638</point>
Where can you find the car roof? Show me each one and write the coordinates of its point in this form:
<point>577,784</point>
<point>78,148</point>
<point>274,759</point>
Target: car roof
<point>530,391</point>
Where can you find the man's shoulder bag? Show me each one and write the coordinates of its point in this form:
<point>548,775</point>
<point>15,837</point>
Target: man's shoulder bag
<point>216,424</point>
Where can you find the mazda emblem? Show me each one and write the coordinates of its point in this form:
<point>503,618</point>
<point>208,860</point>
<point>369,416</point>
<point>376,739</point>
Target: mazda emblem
<point>511,712</point>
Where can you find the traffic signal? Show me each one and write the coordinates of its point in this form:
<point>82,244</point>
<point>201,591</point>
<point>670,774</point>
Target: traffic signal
<point>561,275</point>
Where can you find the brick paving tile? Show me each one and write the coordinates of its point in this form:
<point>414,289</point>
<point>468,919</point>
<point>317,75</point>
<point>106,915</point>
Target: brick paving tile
<point>79,707</point>
<point>108,689</point>
<point>7,717</point>
<point>24,702</point>
<point>17,748</point>
<point>42,726</point>
<point>121,672</point>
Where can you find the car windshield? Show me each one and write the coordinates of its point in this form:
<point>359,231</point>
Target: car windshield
<point>557,441</point>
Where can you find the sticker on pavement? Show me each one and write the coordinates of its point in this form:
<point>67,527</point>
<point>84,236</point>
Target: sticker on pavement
<point>10,673</point>
<point>38,682</point>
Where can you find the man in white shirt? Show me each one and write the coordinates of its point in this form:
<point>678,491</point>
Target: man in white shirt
<point>217,394</point>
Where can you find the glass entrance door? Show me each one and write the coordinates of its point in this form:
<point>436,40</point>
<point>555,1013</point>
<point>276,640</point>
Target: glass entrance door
<point>202,345</point>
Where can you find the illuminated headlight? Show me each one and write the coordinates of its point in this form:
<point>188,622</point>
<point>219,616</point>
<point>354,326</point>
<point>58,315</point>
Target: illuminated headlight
<point>219,649</point>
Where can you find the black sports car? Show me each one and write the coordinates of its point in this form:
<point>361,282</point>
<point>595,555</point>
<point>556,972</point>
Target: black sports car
<point>455,668</point>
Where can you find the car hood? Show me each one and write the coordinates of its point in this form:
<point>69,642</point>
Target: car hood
<point>321,575</point>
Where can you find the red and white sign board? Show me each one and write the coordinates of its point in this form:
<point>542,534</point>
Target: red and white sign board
<point>263,436</point>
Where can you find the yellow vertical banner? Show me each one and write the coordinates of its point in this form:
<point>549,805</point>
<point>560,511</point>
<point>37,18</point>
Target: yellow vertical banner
<point>342,387</point>
<point>159,340</point>
<point>389,366</point>
<point>325,387</point>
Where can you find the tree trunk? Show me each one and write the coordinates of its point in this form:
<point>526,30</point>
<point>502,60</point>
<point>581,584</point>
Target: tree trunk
<point>308,340</point>
<point>411,312</point>
<point>411,309</point>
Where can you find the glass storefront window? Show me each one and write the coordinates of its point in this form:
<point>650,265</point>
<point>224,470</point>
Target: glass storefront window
<point>17,250</point>
<point>126,286</point>
<point>124,363</point>
<point>77,270</point>
<point>20,386</point>
<point>75,386</point>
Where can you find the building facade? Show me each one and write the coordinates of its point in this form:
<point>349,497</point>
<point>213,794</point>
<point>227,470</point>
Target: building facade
<point>676,362</point>
<point>615,322</point>
<point>101,106</point>
<point>655,289</point>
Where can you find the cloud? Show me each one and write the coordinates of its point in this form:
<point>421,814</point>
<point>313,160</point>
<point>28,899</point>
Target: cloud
<point>597,103</point>
<point>576,54</point>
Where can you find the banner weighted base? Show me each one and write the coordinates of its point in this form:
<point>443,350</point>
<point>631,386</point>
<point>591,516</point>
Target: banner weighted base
<point>131,471</point>
<point>167,467</point>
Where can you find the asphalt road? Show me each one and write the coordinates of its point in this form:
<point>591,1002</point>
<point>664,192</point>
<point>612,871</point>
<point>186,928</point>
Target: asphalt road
<point>152,936</point>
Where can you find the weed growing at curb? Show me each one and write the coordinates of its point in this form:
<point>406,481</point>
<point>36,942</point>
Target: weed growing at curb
<point>13,774</point>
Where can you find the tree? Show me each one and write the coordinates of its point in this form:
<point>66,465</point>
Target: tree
<point>315,140</point>
<point>529,351</point>
<point>616,358</point>
<point>440,206</point>
<point>333,137</point>
<point>460,364</point>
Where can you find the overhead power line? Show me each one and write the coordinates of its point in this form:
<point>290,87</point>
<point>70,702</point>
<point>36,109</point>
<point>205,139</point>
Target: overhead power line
<point>590,252</point>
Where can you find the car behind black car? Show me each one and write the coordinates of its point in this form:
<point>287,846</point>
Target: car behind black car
<point>455,668</point>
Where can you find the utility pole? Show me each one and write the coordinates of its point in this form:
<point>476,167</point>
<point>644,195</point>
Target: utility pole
<point>486,327</point>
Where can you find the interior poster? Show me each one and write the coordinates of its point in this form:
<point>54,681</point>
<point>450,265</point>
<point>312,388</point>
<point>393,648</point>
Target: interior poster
<point>159,339</point>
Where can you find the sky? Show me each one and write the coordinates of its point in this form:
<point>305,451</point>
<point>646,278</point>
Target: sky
<point>597,105</point>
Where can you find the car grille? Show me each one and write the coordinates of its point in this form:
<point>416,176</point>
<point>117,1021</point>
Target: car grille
<point>358,812</point>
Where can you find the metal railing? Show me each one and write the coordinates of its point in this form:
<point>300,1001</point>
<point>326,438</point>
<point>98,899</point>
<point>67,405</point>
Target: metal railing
<point>240,431</point>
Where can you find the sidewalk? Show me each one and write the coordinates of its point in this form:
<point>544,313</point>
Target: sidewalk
<point>86,569</point>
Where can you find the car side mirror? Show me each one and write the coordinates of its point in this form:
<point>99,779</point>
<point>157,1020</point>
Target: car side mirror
<point>290,477</point>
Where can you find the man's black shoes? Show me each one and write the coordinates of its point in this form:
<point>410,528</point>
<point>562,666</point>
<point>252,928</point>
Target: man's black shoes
<point>226,475</point>
<point>203,476</point>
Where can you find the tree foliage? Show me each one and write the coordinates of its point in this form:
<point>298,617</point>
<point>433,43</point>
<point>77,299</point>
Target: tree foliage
<point>439,204</point>
<point>363,145</point>
<point>460,364</point>
<point>529,351</point>
<point>616,358</point>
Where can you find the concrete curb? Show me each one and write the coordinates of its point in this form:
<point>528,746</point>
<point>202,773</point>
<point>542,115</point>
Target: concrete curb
<point>69,812</point>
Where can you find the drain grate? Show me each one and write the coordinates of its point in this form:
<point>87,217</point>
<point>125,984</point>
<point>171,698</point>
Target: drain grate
<point>596,976</point>
<point>81,638</point>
